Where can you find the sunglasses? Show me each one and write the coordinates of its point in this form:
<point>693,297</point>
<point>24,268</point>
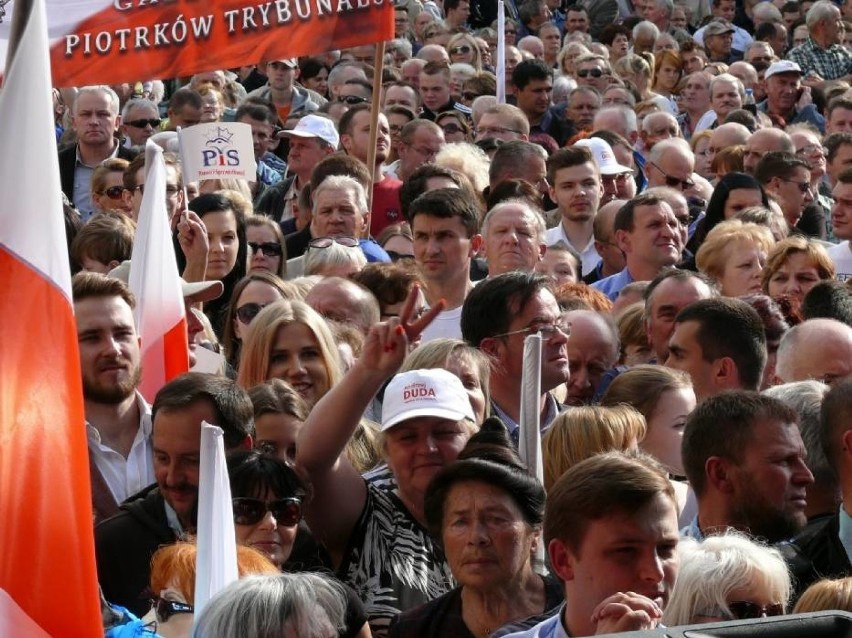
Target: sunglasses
<point>247,312</point>
<point>154,122</point>
<point>165,608</point>
<point>461,49</point>
<point>743,609</point>
<point>804,187</point>
<point>268,248</point>
<point>395,256</point>
<point>595,73</point>
<point>675,182</point>
<point>351,99</point>
<point>452,129</point>
<point>170,190</point>
<point>326,242</point>
<point>113,192</point>
<point>470,95</point>
<point>250,511</point>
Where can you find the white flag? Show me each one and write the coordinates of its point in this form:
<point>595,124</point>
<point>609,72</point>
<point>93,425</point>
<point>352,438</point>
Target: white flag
<point>529,443</point>
<point>217,149</point>
<point>216,565</point>
<point>501,52</point>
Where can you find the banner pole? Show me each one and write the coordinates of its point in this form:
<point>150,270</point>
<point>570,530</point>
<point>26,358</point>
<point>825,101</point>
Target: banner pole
<point>378,64</point>
<point>182,163</point>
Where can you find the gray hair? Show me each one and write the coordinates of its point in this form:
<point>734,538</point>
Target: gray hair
<point>133,103</point>
<point>404,45</point>
<point>646,28</point>
<point>537,216</point>
<point>767,12</point>
<point>344,182</point>
<point>100,89</point>
<point>821,10</point>
<point>310,605</point>
<point>727,78</point>
<point>562,86</point>
<point>628,116</point>
<point>713,568</point>
<point>335,76</point>
<point>317,259</point>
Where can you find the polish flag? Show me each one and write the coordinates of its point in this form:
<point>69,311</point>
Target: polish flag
<point>160,313</point>
<point>48,579</point>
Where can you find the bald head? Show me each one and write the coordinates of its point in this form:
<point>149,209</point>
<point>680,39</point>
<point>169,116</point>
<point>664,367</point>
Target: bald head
<point>345,301</point>
<point>818,349</point>
<point>592,350</point>
<point>730,134</point>
<point>670,161</point>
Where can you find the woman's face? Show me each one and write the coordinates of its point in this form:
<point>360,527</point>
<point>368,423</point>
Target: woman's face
<point>399,247</point>
<point>619,47</point>
<point>665,428</point>
<point>297,359</point>
<point>211,108</point>
<point>486,539</point>
<point>276,433</point>
<point>560,266</point>
<point>222,233</point>
<point>757,592</point>
<point>667,77</point>
<point>453,132</point>
<point>319,82</point>
<point>744,261</point>
<point>258,293</point>
<point>270,536</point>
<point>740,199</point>
<point>468,373</point>
<point>463,51</point>
<point>795,277</point>
<point>112,197</point>
<point>702,159</point>
<point>263,236</point>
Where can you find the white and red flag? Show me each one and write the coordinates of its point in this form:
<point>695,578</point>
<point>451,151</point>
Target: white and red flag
<point>48,579</point>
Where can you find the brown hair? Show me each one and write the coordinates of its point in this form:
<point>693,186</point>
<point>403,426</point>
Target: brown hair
<point>87,285</point>
<point>106,237</point>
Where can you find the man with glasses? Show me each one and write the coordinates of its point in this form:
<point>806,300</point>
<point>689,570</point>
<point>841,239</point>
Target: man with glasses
<point>819,349</point>
<point>503,122</point>
<point>787,179</point>
<point>497,316</point>
<point>95,119</point>
<point>140,119</point>
<point>419,142</point>
<point>671,163</point>
<point>134,185</point>
<point>355,91</point>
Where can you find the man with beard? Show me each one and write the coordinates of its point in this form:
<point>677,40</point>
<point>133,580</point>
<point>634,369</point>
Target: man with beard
<point>118,420</point>
<point>745,459</point>
<point>165,512</point>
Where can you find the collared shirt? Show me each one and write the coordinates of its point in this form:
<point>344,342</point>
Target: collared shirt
<point>172,519</point>
<point>613,284</point>
<point>831,63</point>
<point>291,199</point>
<point>742,38</point>
<point>692,530</point>
<point>845,532</point>
<point>125,476</point>
<point>83,184</point>
<point>809,115</point>
<point>588,255</point>
<point>551,410</point>
<point>553,627</point>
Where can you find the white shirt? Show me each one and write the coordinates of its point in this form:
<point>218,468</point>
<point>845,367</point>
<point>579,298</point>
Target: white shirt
<point>588,255</point>
<point>125,477</point>
<point>841,255</point>
<point>447,324</point>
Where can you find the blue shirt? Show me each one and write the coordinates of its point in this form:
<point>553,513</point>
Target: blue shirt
<point>692,530</point>
<point>550,628</point>
<point>373,252</point>
<point>845,532</point>
<point>612,285</point>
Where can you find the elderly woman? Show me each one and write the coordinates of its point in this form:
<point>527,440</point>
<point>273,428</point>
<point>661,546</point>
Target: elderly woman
<point>733,255</point>
<point>727,577</point>
<point>794,266</point>
<point>494,500</point>
<point>334,257</point>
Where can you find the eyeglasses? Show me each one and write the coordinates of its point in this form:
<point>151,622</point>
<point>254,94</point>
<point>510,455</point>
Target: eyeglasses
<point>452,129</point>
<point>166,608</point>
<point>675,182</point>
<point>744,609</point>
<point>113,192</point>
<point>170,190</point>
<point>461,49</point>
<point>395,256</point>
<point>154,122</point>
<point>247,312</point>
<point>595,73</point>
<point>351,99</point>
<point>546,330</point>
<point>267,248</point>
<point>811,149</point>
<point>804,187</point>
<point>250,511</point>
<point>326,242</point>
<point>469,95</point>
<point>495,130</point>
<point>423,150</point>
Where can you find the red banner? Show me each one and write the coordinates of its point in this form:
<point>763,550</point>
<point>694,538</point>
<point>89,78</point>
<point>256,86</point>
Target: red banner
<point>112,41</point>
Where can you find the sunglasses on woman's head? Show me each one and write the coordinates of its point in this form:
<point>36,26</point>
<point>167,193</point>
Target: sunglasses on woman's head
<point>327,242</point>
<point>250,511</point>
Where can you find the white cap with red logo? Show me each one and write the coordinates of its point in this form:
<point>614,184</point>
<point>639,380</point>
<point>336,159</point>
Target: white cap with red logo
<point>436,393</point>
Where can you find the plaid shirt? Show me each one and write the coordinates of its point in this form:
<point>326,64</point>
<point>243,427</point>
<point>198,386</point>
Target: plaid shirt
<point>832,63</point>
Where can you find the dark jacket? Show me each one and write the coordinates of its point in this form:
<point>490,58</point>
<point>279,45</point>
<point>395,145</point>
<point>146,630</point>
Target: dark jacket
<point>68,163</point>
<point>271,201</point>
<point>816,553</point>
<point>124,545</point>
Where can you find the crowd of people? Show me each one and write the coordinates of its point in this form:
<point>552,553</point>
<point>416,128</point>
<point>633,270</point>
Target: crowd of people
<point>665,197</point>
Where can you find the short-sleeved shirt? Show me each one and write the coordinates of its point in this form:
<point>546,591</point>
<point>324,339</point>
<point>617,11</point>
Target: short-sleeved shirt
<point>392,562</point>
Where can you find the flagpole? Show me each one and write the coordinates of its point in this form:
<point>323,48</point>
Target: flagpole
<point>501,52</point>
<point>178,129</point>
<point>379,65</point>
<point>529,443</point>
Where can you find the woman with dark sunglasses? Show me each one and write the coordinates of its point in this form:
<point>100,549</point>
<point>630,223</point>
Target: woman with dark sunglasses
<point>727,577</point>
<point>108,187</point>
<point>266,248</point>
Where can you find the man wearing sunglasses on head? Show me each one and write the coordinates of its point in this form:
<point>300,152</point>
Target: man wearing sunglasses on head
<point>140,119</point>
<point>165,511</point>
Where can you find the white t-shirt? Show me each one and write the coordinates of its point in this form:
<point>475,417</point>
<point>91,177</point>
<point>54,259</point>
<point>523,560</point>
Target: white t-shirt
<point>841,255</point>
<point>446,324</point>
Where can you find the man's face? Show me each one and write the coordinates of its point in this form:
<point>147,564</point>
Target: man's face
<point>758,145</point>
<point>534,98</point>
<point>353,94</point>
<point>184,117</point>
<point>655,239</point>
<point>839,122</point>
<point>658,127</point>
<point>261,135</point>
<point>696,93</point>
<point>434,91</point>
<point>497,127</point>
<point>793,194</point>
<point>461,13</point>
<point>655,13</point>
<point>534,172</point>
<point>725,98</point>
<point>401,96</point>
<point>591,352</point>
<point>401,23</point>
<point>760,52</point>
<point>576,21</point>
<point>280,76</point>
<point>769,482</point>
<point>95,119</point>
<point>305,153</point>
<point>841,212</point>
<point>686,354</point>
<point>582,108</point>
<point>512,241</point>
<point>842,160</point>
<point>719,46</point>
<point>577,191</point>
<point>176,440</point>
<point>140,123</point>
<point>725,9</point>
<point>337,214</point>
<point>782,91</point>
<point>552,40</point>
<point>620,552</point>
<point>174,193</point>
<point>693,61</point>
<point>669,298</point>
<point>593,73</point>
<point>357,141</point>
<point>422,149</point>
<point>442,248</point>
<point>109,349</point>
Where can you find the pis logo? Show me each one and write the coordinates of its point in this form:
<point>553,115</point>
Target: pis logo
<point>218,151</point>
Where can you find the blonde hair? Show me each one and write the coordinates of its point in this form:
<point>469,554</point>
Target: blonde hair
<point>257,344</point>
<point>583,432</point>
<point>467,159</point>
<point>631,329</point>
<point>826,594</point>
<point>715,251</point>
<point>785,248</point>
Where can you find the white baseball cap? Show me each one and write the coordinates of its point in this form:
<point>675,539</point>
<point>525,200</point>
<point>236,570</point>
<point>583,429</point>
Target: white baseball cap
<point>782,66</point>
<point>315,126</point>
<point>604,157</point>
<point>437,392</point>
